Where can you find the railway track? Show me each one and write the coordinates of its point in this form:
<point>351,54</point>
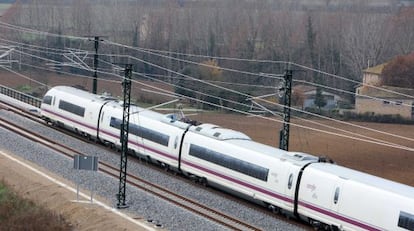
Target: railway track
<point>135,181</point>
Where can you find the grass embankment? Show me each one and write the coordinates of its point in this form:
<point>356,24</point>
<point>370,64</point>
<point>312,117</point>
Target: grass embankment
<point>17,213</point>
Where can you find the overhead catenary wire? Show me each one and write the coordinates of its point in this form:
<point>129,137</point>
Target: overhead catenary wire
<point>281,105</point>
<point>39,32</point>
<point>153,51</point>
<point>362,127</point>
<point>21,75</point>
<point>347,92</point>
<point>274,76</point>
<point>267,61</point>
<point>306,120</point>
<point>245,72</point>
<point>270,102</point>
<point>68,73</point>
<point>293,124</point>
<point>292,108</point>
<point>38,48</point>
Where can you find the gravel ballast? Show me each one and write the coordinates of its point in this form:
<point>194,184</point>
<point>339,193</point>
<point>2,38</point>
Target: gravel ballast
<point>141,204</point>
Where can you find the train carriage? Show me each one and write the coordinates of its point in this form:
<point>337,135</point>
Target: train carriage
<point>74,109</point>
<point>231,161</point>
<point>327,195</point>
<point>153,136</point>
<point>352,200</point>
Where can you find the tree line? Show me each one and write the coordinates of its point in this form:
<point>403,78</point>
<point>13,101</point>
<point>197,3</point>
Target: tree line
<point>341,41</point>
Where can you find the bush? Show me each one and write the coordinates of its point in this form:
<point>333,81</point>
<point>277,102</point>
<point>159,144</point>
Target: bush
<point>372,117</point>
<point>20,214</point>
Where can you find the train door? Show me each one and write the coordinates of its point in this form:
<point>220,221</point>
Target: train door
<point>336,195</point>
<point>291,186</point>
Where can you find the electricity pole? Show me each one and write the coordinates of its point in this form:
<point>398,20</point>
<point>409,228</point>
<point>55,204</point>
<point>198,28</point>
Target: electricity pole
<point>95,65</point>
<point>126,85</point>
<point>284,133</point>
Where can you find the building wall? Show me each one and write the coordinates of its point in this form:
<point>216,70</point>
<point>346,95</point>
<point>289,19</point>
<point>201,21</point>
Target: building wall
<point>331,100</point>
<point>384,107</point>
<point>330,103</point>
<point>371,79</point>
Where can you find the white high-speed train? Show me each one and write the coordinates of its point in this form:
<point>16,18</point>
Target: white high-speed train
<point>324,194</point>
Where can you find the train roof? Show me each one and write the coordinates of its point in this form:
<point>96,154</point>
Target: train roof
<point>364,178</point>
<point>217,132</point>
<point>272,152</point>
<point>80,93</point>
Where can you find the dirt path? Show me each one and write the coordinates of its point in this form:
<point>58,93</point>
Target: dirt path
<point>42,191</point>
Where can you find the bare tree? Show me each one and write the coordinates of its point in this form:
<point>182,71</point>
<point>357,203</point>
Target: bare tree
<point>365,41</point>
<point>403,31</point>
<point>81,18</point>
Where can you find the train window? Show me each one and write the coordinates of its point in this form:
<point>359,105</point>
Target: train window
<point>290,181</point>
<point>229,162</point>
<point>336,196</point>
<point>406,221</point>
<point>72,108</point>
<point>140,131</point>
<point>198,129</point>
<point>115,123</point>
<point>47,99</point>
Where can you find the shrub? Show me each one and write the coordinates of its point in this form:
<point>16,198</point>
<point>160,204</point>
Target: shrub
<point>21,214</point>
<point>372,117</point>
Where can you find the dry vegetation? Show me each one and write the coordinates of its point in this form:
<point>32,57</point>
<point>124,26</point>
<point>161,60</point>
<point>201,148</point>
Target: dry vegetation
<point>16,213</point>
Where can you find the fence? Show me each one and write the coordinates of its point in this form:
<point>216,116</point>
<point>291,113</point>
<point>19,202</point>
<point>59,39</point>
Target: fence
<point>20,96</point>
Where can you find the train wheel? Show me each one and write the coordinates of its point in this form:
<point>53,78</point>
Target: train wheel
<point>334,228</point>
<point>148,159</point>
<point>203,181</point>
<point>273,209</point>
<point>165,166</point>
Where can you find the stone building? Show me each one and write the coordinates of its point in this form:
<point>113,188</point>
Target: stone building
<point>374,97</point>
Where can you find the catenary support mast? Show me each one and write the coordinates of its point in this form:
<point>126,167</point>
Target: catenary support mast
<point>284,133</point>
<point>126,85</point>
<point>95,65</point>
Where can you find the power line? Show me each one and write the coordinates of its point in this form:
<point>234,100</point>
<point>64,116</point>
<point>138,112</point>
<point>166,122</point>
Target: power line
<point>151,51</point>
<point>40,48</point>
<point>255,60</point>
<point>33,31</point>
<point>309,121</point>
<point>292,108</point>
<point>269,61</point>
<point>384,143</point>
<point>267,101</point>
<point>23,76</point>
<point>271,102</point>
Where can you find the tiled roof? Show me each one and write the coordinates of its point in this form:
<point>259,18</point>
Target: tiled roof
<point>304,88</point>
<point>375,69</point>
